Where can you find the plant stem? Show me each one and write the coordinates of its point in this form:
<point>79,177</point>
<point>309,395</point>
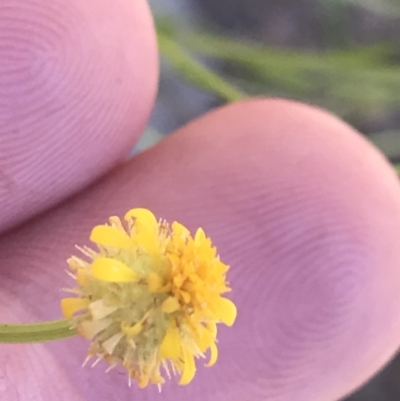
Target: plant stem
<point>197,73</point>
<point>36,332</point>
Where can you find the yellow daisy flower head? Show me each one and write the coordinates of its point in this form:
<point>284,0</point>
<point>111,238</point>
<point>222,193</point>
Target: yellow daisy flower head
<point>149,298</point>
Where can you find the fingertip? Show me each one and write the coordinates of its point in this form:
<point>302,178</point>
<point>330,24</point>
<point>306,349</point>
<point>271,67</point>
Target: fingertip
<point>78,81</point>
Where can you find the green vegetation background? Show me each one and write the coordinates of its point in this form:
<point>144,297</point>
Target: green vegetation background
<point>358,82</point>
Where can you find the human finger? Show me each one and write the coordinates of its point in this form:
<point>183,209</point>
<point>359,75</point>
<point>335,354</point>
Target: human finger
<point>77,84</point>
<point>305,211</point>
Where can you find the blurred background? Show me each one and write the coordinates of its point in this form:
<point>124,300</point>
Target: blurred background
<point>342,55</point>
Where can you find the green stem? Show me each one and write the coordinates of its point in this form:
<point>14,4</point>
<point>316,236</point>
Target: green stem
<point>197,73</point>
<point>36,332</point>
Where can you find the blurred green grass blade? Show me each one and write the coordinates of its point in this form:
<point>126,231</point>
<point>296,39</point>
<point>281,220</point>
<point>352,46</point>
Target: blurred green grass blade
<point>363,76</point>
<point>195,72</point>
<point>283,62</point>
<point>356,78</point>
<point>245,51</point>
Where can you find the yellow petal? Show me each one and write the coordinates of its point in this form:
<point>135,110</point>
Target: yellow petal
<point>220,268</point>
<point>199,237</point>
<point>154,282</point>
<point>189,367</point>
<point>144,219</point>
<point>170,305</point>
<point>110,236</point>
<point>202,336</point>
<point>149,241</point>
<point>213,355</point>
<point>178,280</point>
<point>70,306</point>
<point>185,296</point>
<point>203,271</point>
<point>145,230</point>
<point>112,270</point>
<point>212,327</point>
<point>171,345</point>
<point>131,331</point>
<point>180,230</point>
<point>225,310</point>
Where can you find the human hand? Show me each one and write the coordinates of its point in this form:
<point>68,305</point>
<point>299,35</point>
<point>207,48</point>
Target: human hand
<point>305,211</point>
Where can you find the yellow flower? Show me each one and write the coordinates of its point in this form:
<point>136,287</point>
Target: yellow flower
<point>149,298</point>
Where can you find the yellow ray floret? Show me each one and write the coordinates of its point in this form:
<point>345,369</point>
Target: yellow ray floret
<point>111,236</point>
<point>150,298</point>
<point>189,366</point>
<point>111,269</point>
<point>170,347</point>
<point>70,306</point>
<point>213,355</point>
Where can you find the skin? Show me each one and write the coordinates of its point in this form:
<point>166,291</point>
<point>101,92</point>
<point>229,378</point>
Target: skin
<point>305,211</point>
